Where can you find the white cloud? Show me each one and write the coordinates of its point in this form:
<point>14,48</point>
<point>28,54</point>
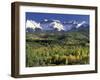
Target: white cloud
<point>45,20</point>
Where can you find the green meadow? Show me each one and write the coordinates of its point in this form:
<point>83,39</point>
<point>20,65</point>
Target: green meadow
<point>57,48</point>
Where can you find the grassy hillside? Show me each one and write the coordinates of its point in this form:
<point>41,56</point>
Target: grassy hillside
<point>57,48</point>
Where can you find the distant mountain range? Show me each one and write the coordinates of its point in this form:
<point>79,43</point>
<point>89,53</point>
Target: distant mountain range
<point>55,25</point>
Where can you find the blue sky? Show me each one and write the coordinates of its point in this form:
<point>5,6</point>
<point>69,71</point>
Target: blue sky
<point>52,16</point>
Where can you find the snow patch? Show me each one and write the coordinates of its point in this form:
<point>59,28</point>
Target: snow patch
<point>80,24</point>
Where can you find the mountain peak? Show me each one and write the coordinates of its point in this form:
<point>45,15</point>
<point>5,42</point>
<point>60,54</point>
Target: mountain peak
<point>80,24</point>
<point>57,25</point>
<point>32,24</point>
<point>52,25</point>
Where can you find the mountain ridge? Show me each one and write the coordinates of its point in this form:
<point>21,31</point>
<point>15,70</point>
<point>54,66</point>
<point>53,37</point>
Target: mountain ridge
<point>54,25</point>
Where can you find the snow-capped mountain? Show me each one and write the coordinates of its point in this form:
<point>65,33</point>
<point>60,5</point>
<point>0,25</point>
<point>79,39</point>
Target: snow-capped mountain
<point>32,25</point>
<point>57,25</point>
<point>45,24</point>
<point>80,24</point>
<point>69,25</point>
<point>53,25</point>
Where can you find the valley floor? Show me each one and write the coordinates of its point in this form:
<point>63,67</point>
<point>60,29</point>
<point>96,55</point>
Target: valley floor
<point>58,48</point>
